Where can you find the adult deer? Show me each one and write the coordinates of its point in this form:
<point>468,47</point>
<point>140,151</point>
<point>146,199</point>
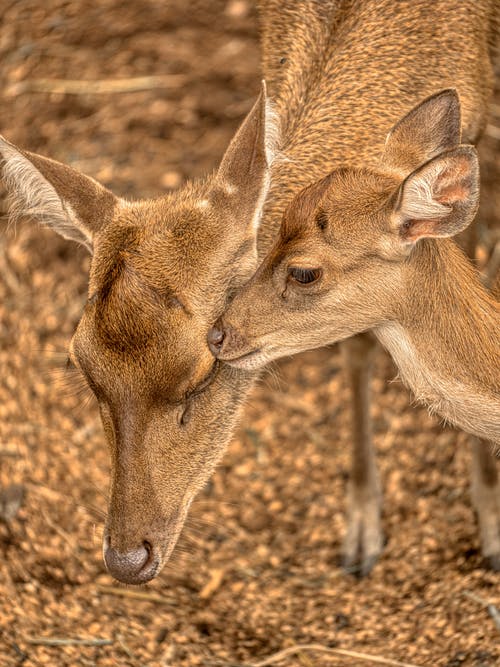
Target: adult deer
<point>340,73</point>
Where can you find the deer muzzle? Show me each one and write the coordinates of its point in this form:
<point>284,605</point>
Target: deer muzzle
<point>227,343</point>
<point>133,566</point>
<point>139,558</point>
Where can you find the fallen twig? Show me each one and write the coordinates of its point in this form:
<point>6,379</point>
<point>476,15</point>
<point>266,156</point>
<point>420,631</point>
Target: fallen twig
<point>138,595</point>
<point>61,641</point>
<point>120,639</point>
<point>216,577</point>
<point>298,648</point>
<point>97,87</point>
<point>22,656</point>
<point>489,606</point>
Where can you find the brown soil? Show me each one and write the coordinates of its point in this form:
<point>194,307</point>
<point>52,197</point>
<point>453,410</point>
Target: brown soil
<point>256,570</point>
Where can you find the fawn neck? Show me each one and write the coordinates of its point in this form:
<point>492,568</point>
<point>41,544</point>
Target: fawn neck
<point>445,338</point>
<point>342,72</point>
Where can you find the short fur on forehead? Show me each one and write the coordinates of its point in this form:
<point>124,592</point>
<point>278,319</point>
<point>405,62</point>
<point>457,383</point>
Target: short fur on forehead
<point>345,195</point>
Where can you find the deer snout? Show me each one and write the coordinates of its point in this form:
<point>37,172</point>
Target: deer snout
<point>225,342</point>
<point>134,566</point>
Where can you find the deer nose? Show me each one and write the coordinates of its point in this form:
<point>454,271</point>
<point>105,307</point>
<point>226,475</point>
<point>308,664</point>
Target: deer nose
<point>215,338</point>
<point>135,566</point>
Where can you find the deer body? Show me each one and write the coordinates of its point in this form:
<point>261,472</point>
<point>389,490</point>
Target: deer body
<point>340,74</point>
<point>446,340</point>
<point>352,69</point>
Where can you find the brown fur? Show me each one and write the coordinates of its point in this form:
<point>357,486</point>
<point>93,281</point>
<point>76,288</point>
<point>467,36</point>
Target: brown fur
<point>359,230</point>
<point>379,266</point>
<point>340,74</point>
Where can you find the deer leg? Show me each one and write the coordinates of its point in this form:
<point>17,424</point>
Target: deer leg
<point>485,493</point>
<point>363,541</point>
<point>484,484</point>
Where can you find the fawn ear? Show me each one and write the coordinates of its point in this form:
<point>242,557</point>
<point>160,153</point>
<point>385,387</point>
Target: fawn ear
<point>243,176</point>
<point>58,196</point>
<point>440,198</point>
<point>430,128</point>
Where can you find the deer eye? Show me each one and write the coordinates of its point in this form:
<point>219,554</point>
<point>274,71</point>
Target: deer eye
<point>185,406</point>
<point>304,276</point>
<point>184,413</point>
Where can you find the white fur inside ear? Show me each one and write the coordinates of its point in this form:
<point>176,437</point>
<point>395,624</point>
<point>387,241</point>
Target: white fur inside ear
<point>273,133</point>
<point>419,200</point>
<point>31,195</point>
<point>272,141</point>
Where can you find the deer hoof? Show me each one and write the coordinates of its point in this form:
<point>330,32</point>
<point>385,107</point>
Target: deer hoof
<point>359,568</point>
<point>363,542</point>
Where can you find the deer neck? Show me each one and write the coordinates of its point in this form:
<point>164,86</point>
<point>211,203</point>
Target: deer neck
<point>340,73</point>
<point>445,339</point>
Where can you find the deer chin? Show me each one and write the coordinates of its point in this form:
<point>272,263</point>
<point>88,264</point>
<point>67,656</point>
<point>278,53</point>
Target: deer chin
<point>249,360</point>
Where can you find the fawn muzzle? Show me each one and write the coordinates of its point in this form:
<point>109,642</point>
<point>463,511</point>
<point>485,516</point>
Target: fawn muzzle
<point>227,343</point>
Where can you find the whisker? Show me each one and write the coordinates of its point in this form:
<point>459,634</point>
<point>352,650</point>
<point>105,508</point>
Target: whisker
<point>213,502</point>
<point>102,493</point>
<point>91,509</point>
<point>273,378</point>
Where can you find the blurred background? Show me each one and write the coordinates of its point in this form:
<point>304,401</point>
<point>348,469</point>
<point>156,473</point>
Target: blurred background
<point>256,570</point>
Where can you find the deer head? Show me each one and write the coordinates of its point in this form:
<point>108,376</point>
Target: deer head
<point>161,272</point>
<point>345,242</point>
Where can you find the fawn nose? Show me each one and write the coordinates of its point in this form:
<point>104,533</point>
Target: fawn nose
<point>215,338</point>
<point>135,566</point>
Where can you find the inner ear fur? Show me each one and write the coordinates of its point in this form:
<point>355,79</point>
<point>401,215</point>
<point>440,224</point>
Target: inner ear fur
<point>54,194</point>
<point>430,128</point>
<point>440,198</point>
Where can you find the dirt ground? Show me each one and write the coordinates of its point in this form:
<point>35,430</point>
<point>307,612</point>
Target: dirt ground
<point>256,570</point>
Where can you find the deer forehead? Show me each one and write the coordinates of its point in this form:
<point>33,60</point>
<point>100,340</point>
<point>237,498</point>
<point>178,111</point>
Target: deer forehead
<point>163,254</point>
<point>145,364</point>
<point>345,220</point>
<point>360,191</point>
<point>132,333</point>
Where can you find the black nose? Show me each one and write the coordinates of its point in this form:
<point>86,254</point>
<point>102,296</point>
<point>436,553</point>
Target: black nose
<point>135,566</point>
<point>215,338</point>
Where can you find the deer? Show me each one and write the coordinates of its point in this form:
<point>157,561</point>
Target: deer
<point>369,249</point>
<point>366,249</point>
<point>164,270</point>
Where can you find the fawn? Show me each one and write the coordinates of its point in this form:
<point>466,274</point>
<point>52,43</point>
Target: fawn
<point>163,271</point>
<point>357,251</point>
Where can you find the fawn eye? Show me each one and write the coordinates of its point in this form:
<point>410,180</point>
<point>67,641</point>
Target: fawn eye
<point>304,276</point>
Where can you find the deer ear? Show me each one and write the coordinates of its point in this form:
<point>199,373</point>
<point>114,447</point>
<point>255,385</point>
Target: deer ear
<point>58,196</point>
<point>430,128</point>
<point>440,198</point>
<point>244,173</point>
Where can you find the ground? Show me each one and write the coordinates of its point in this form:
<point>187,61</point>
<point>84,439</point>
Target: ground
<point>256,570</point>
